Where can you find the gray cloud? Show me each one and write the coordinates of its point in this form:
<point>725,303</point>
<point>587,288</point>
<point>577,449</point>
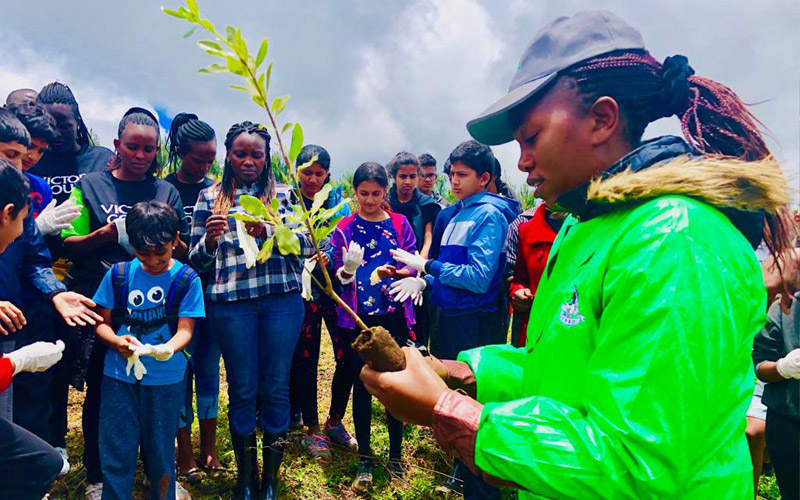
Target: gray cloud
<point>370,78</point>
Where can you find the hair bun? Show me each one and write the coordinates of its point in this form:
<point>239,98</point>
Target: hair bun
<point>675,94</point>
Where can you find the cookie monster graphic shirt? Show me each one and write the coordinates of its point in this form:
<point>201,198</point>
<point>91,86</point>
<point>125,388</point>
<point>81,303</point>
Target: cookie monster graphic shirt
<point>147,303</point>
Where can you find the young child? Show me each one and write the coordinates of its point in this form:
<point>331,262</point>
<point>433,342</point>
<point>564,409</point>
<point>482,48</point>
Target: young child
<point>149,306</point>
<point>318,308</point>
<point>466,276</point>
<point>776,354</point>
<point>364,267</point>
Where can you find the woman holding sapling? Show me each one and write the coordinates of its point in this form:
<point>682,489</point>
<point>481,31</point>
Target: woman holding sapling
<point>319,307</point>
<point>255,309</point>
<point>361,245</point>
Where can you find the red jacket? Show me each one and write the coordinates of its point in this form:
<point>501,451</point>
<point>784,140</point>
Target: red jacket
<point>6,372</point>
<point>535,240</point>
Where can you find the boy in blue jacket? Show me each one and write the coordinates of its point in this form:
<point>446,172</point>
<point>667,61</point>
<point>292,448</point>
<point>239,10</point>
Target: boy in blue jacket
<point>466,275</point>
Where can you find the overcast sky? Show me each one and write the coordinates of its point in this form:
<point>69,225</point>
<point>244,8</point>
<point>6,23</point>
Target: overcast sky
<point>369,78</point>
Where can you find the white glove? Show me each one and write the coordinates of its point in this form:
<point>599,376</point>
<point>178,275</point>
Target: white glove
<point>789,366</point>
<point>122,235</point>
<point>247,243</point>
<point>412,260</point>
<point>162,352</point>
<point>411,287</point>
<point>353,256</point>
<point>139,370</point>
<point>305,278</point>
<point>54,219</point>
<point>36,357</point>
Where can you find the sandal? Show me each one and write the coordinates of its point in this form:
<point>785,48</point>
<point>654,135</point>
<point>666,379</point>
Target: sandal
<point>193,475</point>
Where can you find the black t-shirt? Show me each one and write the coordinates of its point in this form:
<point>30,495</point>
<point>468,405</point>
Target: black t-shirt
<point>106,199</point>
<point>189,192</point>
<point>419,211</point>
<point>62,171</point>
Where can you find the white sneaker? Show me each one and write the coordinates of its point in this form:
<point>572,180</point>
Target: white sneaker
<point>181,493</point>
<point>65,467</point>
<point>94,491</point>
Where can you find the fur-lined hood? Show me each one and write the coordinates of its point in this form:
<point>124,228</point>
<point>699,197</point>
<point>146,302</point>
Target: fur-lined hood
<point>743,190</point>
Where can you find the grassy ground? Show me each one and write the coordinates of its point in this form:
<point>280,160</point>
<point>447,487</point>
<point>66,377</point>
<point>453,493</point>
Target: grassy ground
<point>303,477</point>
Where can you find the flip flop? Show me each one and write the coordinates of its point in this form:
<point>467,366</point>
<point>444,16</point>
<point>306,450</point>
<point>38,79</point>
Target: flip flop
<point>193,475</point>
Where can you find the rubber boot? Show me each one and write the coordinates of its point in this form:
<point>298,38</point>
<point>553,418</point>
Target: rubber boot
<point>246,452</point>
<point>272,454</point>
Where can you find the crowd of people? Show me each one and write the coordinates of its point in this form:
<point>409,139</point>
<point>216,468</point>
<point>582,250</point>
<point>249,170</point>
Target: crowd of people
<point>631,293</point>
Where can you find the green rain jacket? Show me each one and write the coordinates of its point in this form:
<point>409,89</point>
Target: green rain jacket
<point>637,372</point>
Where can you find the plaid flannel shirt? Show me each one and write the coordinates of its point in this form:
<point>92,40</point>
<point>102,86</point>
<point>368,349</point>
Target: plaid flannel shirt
<point>230,278</point>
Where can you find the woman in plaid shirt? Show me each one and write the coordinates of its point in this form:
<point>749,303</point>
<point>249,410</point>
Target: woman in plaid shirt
<point>256,313</point>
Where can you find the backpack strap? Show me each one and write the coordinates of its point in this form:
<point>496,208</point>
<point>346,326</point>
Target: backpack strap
<point>397,222</point>
<point>120,274</point>
<point>176,293</point>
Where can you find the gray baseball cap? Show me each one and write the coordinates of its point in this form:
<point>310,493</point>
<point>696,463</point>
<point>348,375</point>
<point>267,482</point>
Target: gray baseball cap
<point>559,45</point>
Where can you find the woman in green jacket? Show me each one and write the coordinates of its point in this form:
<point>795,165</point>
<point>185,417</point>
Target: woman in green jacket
<point>636,375</point>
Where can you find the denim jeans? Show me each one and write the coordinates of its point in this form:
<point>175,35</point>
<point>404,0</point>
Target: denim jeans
<point>7,396</point>
<point>131,414</point>
<point>257,338</point>
<point>203,368</point>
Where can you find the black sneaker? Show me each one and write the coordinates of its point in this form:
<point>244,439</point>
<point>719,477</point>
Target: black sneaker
<point>363,480</point>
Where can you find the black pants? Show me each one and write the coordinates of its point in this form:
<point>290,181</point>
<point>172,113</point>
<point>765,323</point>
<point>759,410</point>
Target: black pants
<point>459,333</point>
<point>90,421</point>
<point>33,401</point>
<point>395,323</point>
<point>303,382</point>
<point>783,444</point>
<point>28,465</point>
<point>422,329</point>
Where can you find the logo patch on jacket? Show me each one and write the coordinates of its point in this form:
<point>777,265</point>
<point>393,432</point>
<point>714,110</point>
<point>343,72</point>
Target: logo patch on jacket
<point>570,314</point>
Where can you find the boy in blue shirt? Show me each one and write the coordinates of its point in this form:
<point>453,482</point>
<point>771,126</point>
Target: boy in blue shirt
<point>152,303</point>
<point>466,275</point>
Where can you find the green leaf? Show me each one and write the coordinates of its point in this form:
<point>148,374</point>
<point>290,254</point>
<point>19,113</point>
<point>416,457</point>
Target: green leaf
<point>213,69</point>
<point>275,205</point>
<point>322,232</point>
<point>205,23</point>
<point>297,142</point>
<point>269,76</point>
<point>216,53</point>
<point>253,206</point>
<point>190,32</point>
<point>260,83</point>
<point>320,197</point>
<point>308,163</point>
<point>266,250</point>
<point>262,52</point>
<point>209,44</point>
<point>239,44</point>
<point>235,66</point>
<point>246,217</point>
<point>258,100</point>
<point>286,127</point>
<point>288,242</point>
<point>230,33</point>
<point>173,13</point>
<point>193,8</point>
<point>279,104</point>
<point>238,87</point>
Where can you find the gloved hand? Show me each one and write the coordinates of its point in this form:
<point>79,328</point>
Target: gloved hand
<point>162,352</point>
<point>122,235</point>
<point>353,256</point>
<point>789,366</point>
<point>54,219</point>
<point>305,278</point>
<point>36,357</point>
<point>408,287</point>
<point>412,260</point>
<point>139,370</point>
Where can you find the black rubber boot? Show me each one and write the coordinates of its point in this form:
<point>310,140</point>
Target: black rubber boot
<point>272,454</point>
<point>245,448</point>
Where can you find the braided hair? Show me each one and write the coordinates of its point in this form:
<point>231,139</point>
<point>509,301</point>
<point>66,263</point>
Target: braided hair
<point>227,186</point>
<point>185,127</point>
<point>138,116</point>
<point>58,93</point>
<point>714,120</point>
